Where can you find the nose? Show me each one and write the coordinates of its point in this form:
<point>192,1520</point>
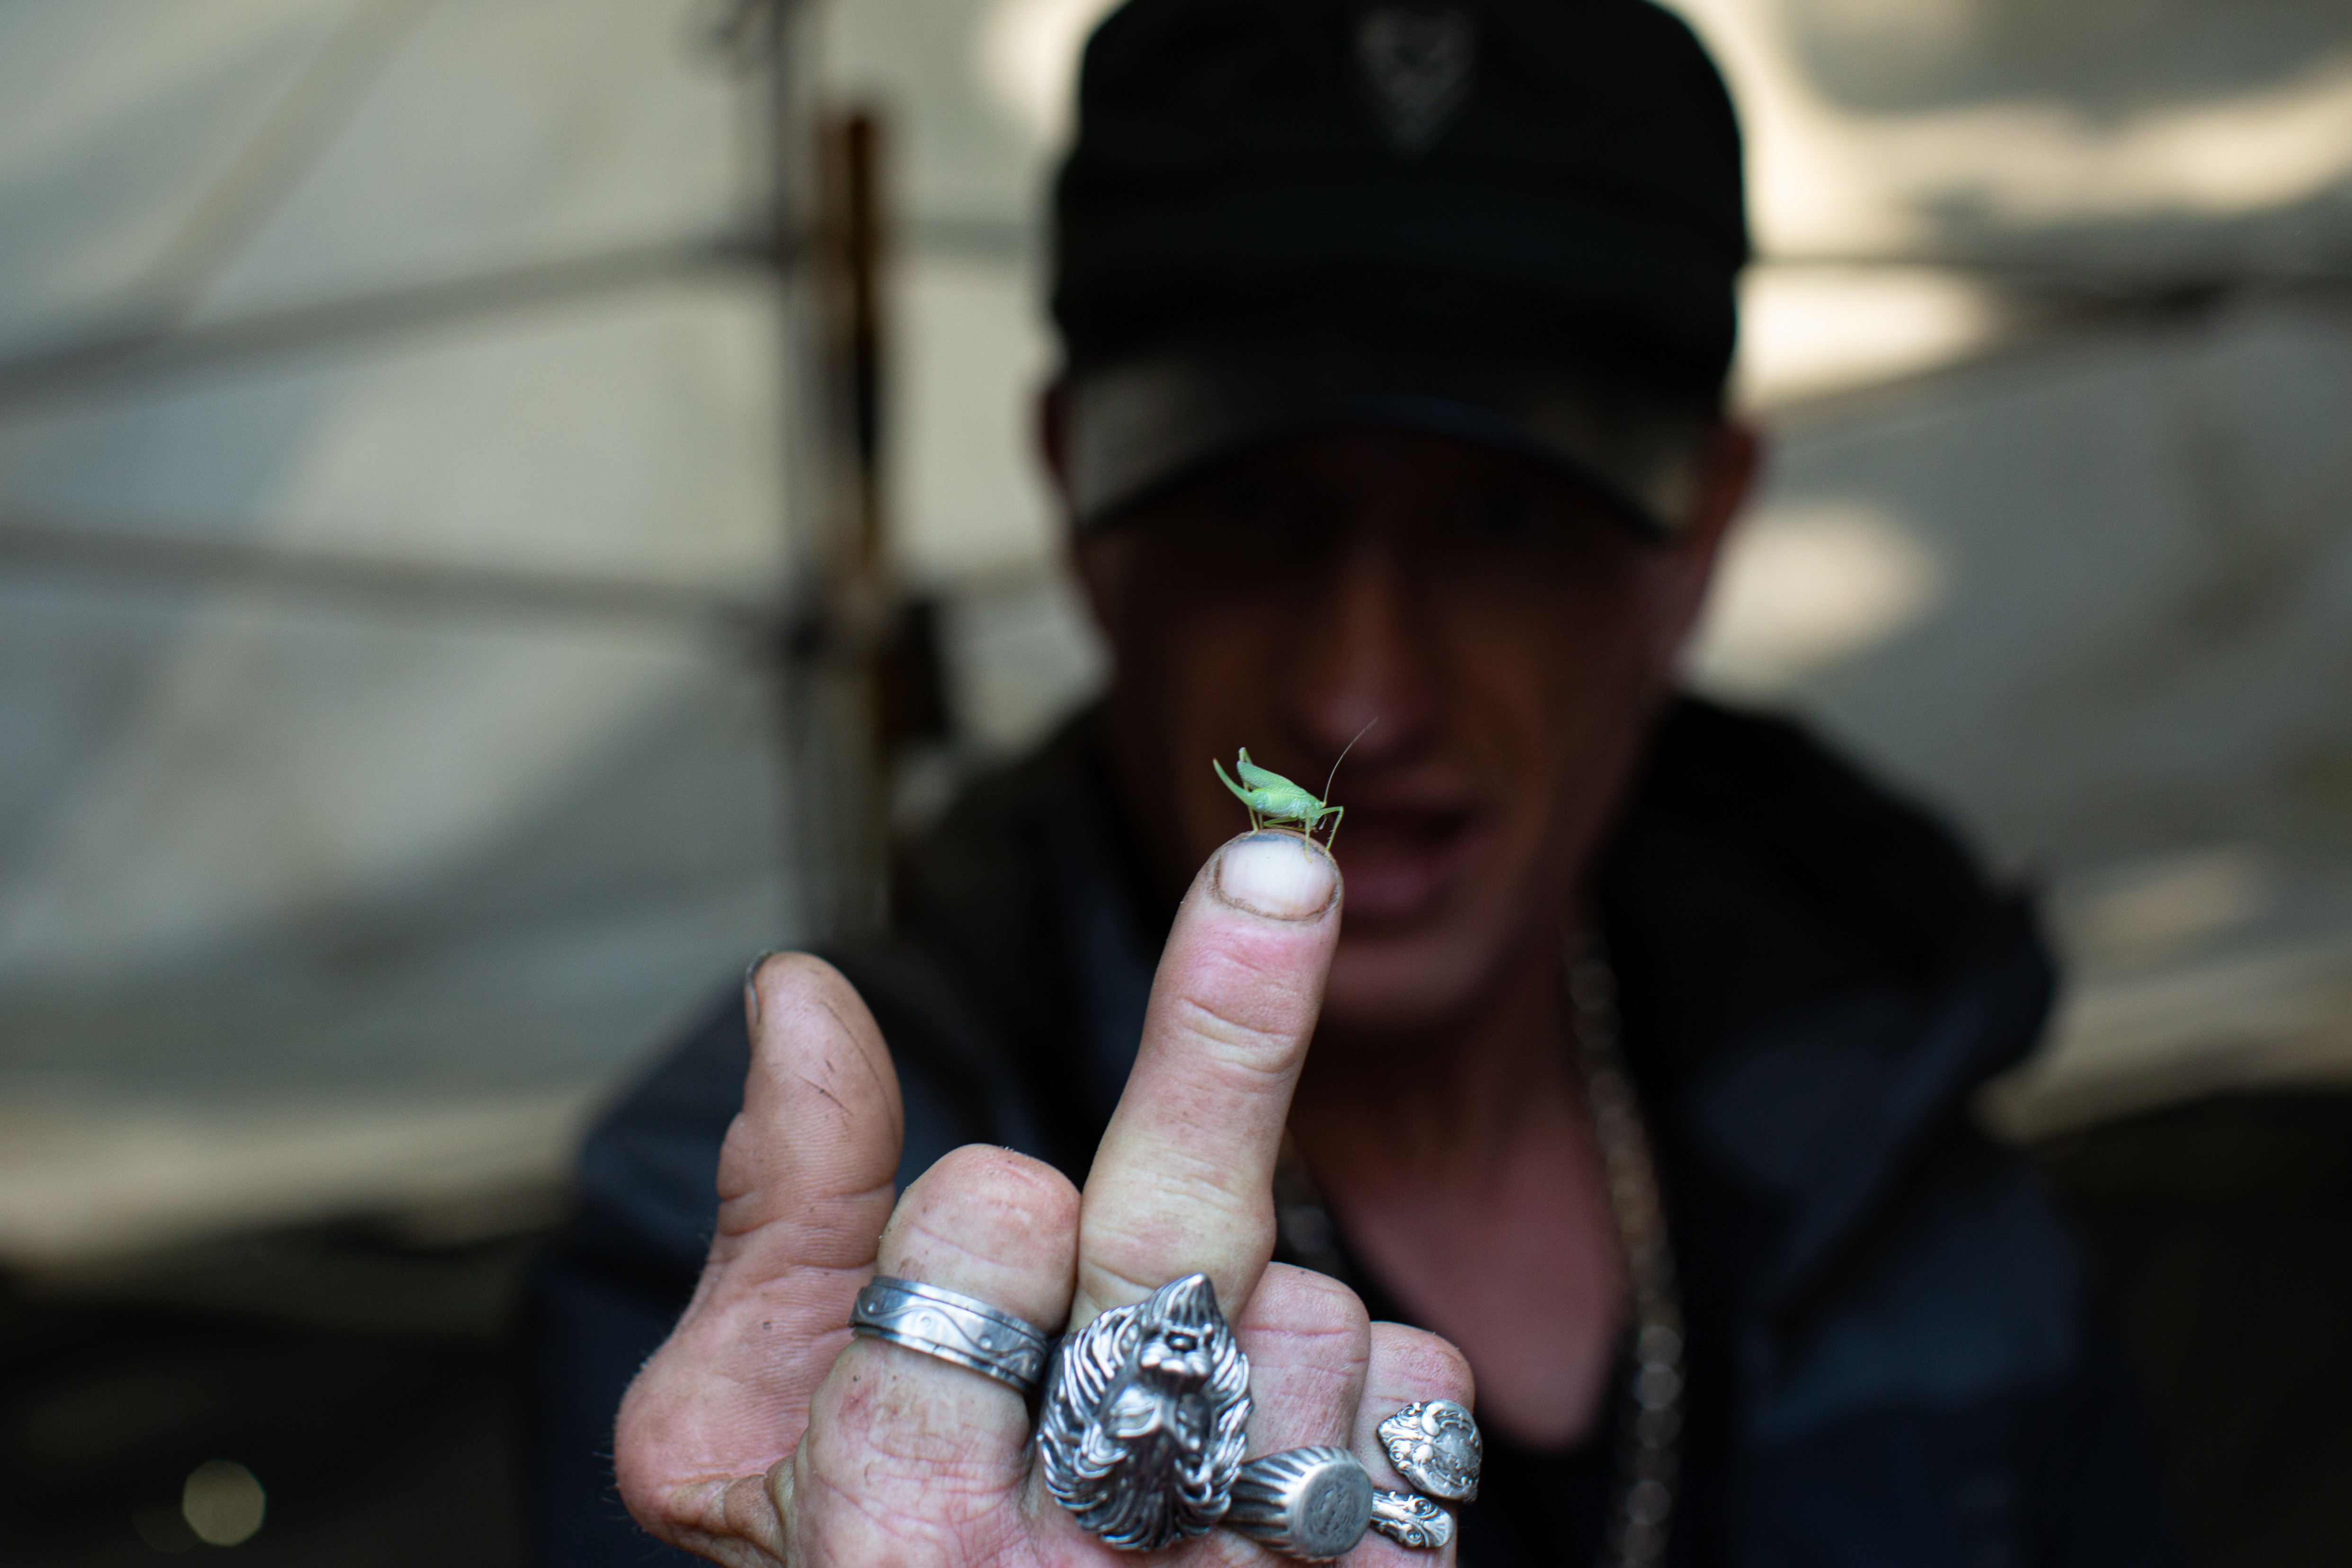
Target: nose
<point>1363,651</point>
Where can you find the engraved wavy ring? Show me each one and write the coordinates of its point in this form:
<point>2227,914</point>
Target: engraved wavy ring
<point>954,1328</point>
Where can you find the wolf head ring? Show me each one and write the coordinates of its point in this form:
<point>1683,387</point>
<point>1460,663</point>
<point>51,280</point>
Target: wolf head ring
<point>1141,1432</point>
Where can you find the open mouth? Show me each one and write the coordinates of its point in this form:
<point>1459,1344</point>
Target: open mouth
<point>1399,859</point>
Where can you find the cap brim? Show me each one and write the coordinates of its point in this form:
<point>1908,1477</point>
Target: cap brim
<point>1158,417</point>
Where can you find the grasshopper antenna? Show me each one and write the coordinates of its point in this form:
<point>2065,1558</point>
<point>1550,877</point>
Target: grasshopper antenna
<point>1343,754</point>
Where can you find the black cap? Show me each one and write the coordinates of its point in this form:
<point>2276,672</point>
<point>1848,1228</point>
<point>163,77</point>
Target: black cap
<point>1493,218</point>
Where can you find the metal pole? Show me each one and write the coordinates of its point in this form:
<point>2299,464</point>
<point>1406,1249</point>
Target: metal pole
<point>827,238</point>
<point>844,275</point>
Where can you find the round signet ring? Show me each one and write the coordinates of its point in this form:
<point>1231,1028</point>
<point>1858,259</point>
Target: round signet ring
<point>1309,1504</point>
<point>953,1327</point>
<point>1435,1447</point>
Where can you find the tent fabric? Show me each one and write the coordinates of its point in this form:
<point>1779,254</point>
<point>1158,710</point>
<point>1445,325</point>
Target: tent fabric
<point>393,452</point>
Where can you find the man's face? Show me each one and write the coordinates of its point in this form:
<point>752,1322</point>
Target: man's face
<point>1511,638</point>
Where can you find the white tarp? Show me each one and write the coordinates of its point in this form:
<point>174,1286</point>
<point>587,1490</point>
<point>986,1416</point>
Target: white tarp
<point>387,446</point>
<point>379,752</point>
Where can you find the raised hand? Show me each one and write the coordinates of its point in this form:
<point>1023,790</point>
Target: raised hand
<point>763,1433</point>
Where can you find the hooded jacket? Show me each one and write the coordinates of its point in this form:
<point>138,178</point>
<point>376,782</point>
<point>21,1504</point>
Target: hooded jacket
<point>1895,1355</point>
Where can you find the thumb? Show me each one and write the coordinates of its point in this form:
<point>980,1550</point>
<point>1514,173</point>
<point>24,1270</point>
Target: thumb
<point>804,1187</point>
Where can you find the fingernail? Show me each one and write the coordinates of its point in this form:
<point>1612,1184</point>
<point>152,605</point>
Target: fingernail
<point>751,990</point>
<point>1276,875</point>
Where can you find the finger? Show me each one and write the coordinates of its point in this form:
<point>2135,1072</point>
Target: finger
<point>904,1448</point>
<point>1183,1179</point>
<point>804,1185</point>
<point>1406,1364</point>
<point>1309,1344</point>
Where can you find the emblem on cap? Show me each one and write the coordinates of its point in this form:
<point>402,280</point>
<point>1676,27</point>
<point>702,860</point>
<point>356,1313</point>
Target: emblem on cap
<point>1418,63</point>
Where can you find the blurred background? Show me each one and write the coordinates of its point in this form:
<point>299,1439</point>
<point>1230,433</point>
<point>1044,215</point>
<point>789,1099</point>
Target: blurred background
<point>471,469</point>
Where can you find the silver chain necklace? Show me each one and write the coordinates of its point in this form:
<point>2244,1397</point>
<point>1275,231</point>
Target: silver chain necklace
<point>1650,1431</point>
<point>1649,1438</point>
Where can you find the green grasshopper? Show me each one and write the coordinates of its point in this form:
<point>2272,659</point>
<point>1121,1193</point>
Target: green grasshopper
<point>1271,798</point>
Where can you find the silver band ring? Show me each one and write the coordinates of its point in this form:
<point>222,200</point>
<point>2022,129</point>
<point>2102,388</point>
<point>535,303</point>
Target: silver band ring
<point>1309,1504</point>
<point>1410,1519</point>
<point>953,1327</point>
<point>1141,1430</point>
<point>1435,1447</point>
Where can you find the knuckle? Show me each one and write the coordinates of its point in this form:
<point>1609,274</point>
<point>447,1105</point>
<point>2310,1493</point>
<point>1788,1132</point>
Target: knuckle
<point>1189,1195</point>
<point>1254,1051</point>
<point>1009,1176</point>
<point>990,1199</point>
<point>1425,1363</point>
<point>1306,1323</point>
<point>1143,1252</point>
<point>1149,1247</point>
<point>1310,1301</point>
<point>975,1232</point>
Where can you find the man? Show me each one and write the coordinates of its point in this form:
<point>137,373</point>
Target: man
<point>1395,342</point>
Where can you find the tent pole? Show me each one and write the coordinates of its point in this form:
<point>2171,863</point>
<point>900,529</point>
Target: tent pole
<point>826,235</point>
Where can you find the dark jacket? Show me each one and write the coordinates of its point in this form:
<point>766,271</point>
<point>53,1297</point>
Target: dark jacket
<point>1893,1356</point>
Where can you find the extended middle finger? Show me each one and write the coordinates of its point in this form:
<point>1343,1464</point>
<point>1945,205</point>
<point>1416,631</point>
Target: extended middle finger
<point>1182,1181</point>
